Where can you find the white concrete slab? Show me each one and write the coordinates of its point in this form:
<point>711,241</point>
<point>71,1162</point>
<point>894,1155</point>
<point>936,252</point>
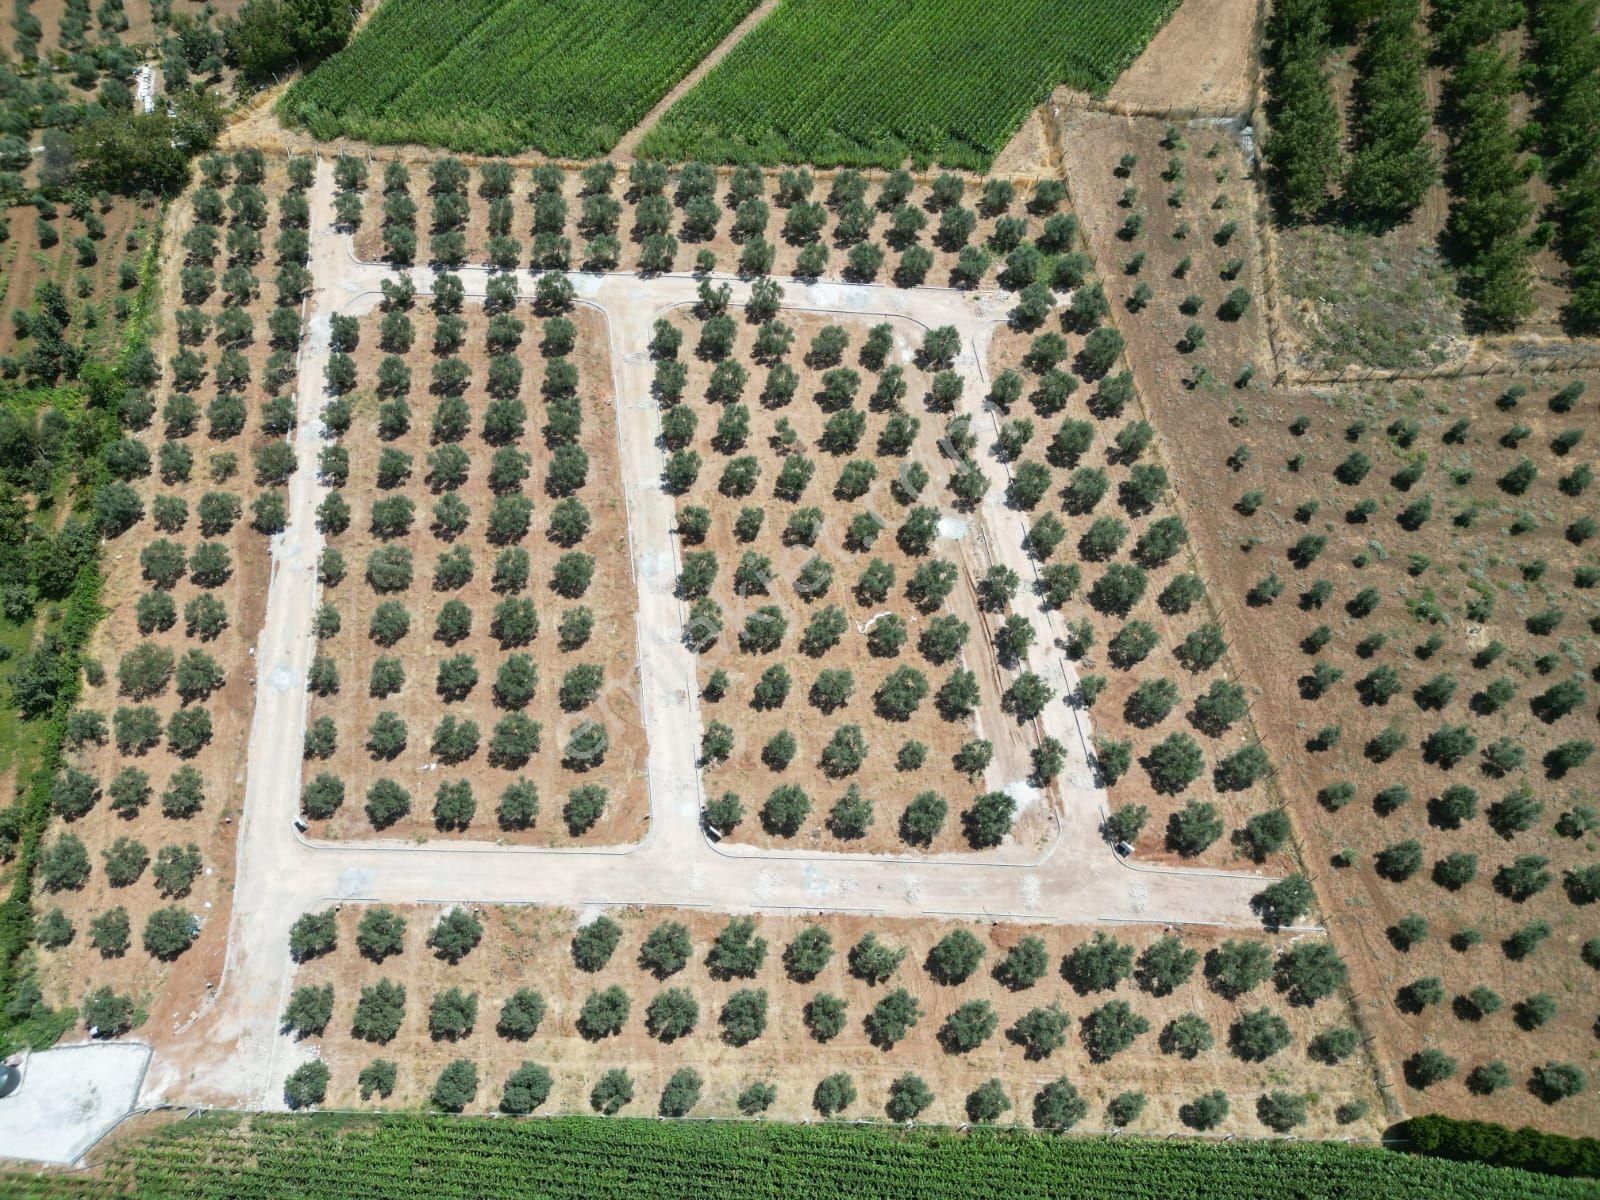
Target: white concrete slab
<point>69,1098</point>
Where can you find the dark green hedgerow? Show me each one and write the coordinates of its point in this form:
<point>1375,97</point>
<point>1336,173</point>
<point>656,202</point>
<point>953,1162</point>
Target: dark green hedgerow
<point>1498,1145</point>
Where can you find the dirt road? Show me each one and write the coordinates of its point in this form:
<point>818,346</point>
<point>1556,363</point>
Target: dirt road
<point>232,1053</point>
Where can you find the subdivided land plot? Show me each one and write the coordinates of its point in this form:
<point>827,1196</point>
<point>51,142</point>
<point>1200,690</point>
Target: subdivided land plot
<point>890,227</point>
<point>850,691</point>
<point>639,1012</point>
<point>476,674</point>
<point>137,861</point>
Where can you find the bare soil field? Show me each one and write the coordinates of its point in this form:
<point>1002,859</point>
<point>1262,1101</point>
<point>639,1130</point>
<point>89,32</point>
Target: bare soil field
<point>1030,151</point>
<point>138,15</point>
<point>532,949</point>
<point>434,672</point>
<point>128,22</point>
<point>1461,635</point>
<point>1460,572</point>
<point>1157,281</point>
<point>1180,221</point>
<point>86,261</point>
<point>1202,59</point>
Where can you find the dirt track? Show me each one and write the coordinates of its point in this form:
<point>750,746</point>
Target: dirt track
<point>231,1053</point>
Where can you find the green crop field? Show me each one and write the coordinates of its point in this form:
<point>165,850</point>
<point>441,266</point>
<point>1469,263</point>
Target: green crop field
<point>500,76</point>
<point>839,82</point>
<point>308,1158</point>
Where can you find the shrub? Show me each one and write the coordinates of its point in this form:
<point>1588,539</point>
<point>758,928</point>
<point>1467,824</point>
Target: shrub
<point>954,957</point>
<point>309,1011</point>
<point>824,1016</point>
<point>665,949</point>
<point>603,1013</point>
<point>987,822</point>
<point>737,952</point>
<point>176,868</point>
<point>756,1099</point>
<point>681,1093</point>
<point>851,815</point>
<point>1427,1067</point>
<point>1524,941</point>
<point>1165,965</point>
<point>379,1011</point>
<point>53,930</point>
<point>1284,902</point>
<point>1281,1111</point>
<point>922,819</point>
<point>1264,834</point>
<point>1523,877</point>
<point>1419,994</point>
<point>526,1088</point>
<point>785,810</point>
<point>1098,964</point>
<point>908,1096</point>
<point>1194,827</point>
<point>809,952</point>
<point>1237,967</point>
<point>968,1027</point>
<point>987,1102</point>
<point>584,804</point>
<point>1257,1035</point>
<point>1333,1045</point>
<point>1040,1032</point>
<point>1110,1029</point>
<point>1125,1108</point>
<point>594,943</point>
<point>671,1015</point>
<point>387,802</point>
<point>521,1015</point>
<point>306,1085</point>
<point>873,962</point>
<point>457,1086</point>
<point>612,1093</point>
<point>1310,971</point>
<point>1187,1036</point>
<point>456,935</point>
<point>169,932</point>
<point>1172,764</point>
<point>1534,1011</point>
<point>110,932</point>
<point>1400,861</point>
<point>744,1016</point>
<point>833,1094</point>
<point>107,1014</point>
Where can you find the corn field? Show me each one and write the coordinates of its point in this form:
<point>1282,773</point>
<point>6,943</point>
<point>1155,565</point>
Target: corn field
<point>837,82</point>
<point>501,76</point>
<point>610,1159</point>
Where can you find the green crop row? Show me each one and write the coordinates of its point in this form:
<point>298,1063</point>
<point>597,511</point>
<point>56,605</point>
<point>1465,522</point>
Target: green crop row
<point>598,1159</point>
<point>838,82</point>
<point>501,76</point>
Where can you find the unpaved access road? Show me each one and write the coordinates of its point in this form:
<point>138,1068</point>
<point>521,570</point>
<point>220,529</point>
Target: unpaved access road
<point>231,1052</point>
